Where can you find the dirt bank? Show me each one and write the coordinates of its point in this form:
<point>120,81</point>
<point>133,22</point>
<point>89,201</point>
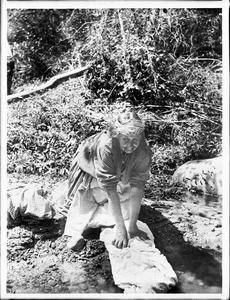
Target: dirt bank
<point>186,231</point>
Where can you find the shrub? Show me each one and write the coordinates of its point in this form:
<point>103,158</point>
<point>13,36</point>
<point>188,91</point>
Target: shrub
<point>148,56</point>
<point>44,131</point>
<point>164,62</point>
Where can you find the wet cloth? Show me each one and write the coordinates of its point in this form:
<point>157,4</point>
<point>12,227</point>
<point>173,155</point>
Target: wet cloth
<point>139,268</point>
<point>100,167</point>
<point>31,200</point>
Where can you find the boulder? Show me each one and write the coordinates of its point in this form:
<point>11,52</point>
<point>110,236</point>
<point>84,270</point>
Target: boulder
<point>201,176</point>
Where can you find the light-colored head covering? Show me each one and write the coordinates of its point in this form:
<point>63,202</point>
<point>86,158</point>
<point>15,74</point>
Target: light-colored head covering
<point>128,123</point>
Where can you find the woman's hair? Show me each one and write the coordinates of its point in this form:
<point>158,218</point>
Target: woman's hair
<point>128,123</point>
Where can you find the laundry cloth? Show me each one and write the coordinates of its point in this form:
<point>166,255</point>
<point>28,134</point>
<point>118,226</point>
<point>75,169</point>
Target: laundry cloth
<point>31,200</point>
<point>139,268</point>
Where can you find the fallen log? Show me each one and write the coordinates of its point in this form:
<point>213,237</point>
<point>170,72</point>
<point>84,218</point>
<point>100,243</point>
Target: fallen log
<point>52,83</point>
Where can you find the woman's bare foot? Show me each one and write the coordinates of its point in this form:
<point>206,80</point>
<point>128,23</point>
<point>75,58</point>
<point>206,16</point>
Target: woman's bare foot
<point>76,243</point>
<point>135,231</point>
<point>121,237</point>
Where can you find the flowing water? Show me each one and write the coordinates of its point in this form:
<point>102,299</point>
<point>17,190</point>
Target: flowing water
<point>46,267</point>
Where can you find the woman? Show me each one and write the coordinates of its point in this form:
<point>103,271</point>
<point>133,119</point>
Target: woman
<point>107,179</point>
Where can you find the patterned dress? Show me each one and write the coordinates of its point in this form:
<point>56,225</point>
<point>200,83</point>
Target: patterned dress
<point>99,167</point>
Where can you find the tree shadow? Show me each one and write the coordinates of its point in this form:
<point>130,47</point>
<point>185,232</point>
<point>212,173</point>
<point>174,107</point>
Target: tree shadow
<point>197,269</point>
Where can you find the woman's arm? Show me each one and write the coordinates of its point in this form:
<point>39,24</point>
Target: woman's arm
<point>121,236</point>
<point>134,209</point>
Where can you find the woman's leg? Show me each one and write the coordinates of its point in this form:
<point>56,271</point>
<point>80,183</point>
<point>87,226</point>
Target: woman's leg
<point>81,210</point>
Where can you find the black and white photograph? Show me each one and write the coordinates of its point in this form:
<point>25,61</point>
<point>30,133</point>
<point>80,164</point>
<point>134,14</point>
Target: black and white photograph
<point>114,150</point>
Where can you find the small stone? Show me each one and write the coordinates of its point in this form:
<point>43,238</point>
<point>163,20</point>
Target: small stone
<point>82,279</point>
<point>52,282</point>
<point>101,281</point>
<point>9,281</point>
<point>61,246</point>
<point>65,281</point>
<point>64,289</point>
<point>53,245</point>
<point>19,248</point>
<point>200,282</point>
<point>83,286</point>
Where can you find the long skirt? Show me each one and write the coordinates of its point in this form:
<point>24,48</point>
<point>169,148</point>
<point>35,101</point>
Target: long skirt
<point>89,204</point>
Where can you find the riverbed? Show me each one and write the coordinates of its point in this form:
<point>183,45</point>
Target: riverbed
<point>188,231</point>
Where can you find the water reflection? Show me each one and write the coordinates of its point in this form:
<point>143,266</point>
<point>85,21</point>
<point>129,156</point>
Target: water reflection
<point>204,199</point>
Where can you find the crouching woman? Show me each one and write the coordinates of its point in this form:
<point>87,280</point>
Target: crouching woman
<point>107,180</point>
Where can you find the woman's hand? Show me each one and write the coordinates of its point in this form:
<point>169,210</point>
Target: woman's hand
<point>121,237</point>
<point>135,231</point>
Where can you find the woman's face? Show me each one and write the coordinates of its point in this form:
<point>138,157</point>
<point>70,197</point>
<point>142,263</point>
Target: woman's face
<point>129,143</point>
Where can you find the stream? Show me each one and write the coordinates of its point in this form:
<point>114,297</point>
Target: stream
<point>188,232</point>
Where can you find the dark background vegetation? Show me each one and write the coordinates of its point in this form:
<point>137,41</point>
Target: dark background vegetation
<point>166,63</point>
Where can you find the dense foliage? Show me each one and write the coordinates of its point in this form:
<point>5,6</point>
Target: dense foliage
<point>164,62</point>
<point>152,56</point>
<point>46,42</point>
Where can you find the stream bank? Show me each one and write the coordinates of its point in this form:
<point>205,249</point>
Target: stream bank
<point>186,231</point>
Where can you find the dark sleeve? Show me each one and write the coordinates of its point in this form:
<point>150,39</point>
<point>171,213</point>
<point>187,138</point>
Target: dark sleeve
<point>140,173</point>
<point>105,169</point>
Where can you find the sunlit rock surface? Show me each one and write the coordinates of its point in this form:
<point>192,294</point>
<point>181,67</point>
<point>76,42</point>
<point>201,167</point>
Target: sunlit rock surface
<point>201,176</point>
